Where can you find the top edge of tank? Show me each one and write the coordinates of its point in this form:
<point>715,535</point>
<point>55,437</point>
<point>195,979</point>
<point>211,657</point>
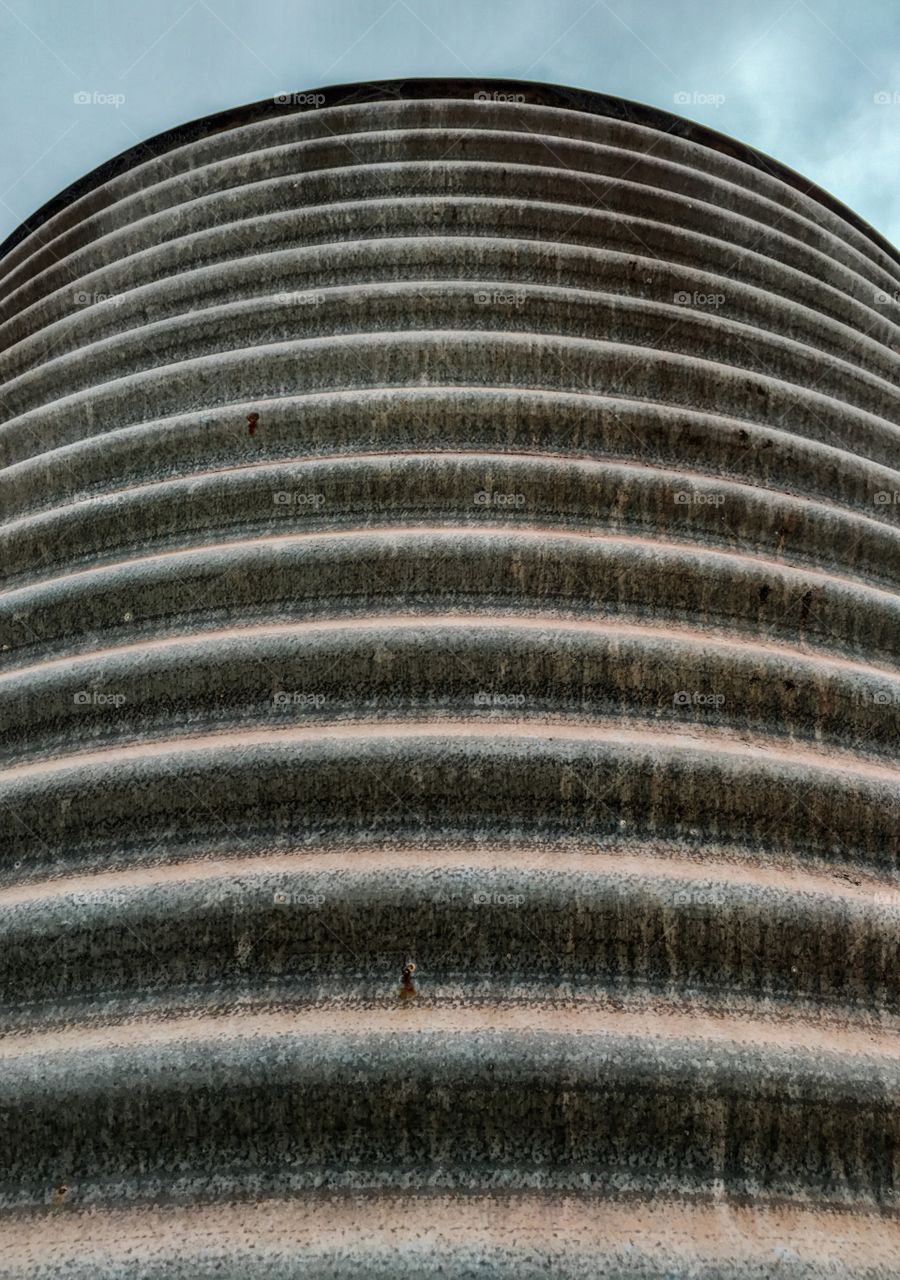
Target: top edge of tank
<point>528,91</point>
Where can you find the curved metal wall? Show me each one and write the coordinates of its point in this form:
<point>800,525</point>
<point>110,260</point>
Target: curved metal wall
<point>459,530</point>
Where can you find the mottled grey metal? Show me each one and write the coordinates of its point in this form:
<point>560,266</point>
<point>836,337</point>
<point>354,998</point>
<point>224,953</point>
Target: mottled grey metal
<point>459,525</point>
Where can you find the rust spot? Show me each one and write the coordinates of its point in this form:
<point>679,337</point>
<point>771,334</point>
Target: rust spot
<point>60,1193</point>
<point>407,986</point>
<point>252,419</point>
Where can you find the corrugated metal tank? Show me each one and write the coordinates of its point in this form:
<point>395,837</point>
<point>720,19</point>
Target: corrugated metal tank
<point>449,524</point>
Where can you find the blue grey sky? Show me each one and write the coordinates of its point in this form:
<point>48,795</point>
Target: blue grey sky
<point>816,83</point>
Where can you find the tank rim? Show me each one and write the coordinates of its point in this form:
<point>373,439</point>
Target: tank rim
<point>410,89</point>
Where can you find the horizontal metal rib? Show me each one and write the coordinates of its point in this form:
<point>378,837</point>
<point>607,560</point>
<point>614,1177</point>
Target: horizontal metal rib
<point>497,780</point>
<point>379,219</point>
<point>411,162</point>
<point>448,358</point>
<point>398,421</point>
<point>480,1096</point>
<point>518,1236</point>
<point>494,571</point>
<point>319,674</point>
<point>484,307</point>
<point>512,268</point>
<point>575,925</point>
<point>153,177</point>
<point>504,491</point>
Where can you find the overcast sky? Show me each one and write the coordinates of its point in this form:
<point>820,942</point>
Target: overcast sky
<point>816,83</point>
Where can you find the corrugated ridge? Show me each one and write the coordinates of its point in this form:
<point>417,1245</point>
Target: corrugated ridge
<point>389,491</point>
<point>487,306</point>
<point>412,420</point>
<point>447,358</point>
<point>519,1236</point>
<point>465,218</point>
<point>447,179</point>
<point>304,273</point>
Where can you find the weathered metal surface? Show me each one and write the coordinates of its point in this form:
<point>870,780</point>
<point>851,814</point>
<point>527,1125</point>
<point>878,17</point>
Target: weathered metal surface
<point>449,697</point>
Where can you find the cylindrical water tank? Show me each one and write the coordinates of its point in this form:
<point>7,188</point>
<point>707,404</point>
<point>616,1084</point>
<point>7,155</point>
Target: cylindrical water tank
<point>453,525</point>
